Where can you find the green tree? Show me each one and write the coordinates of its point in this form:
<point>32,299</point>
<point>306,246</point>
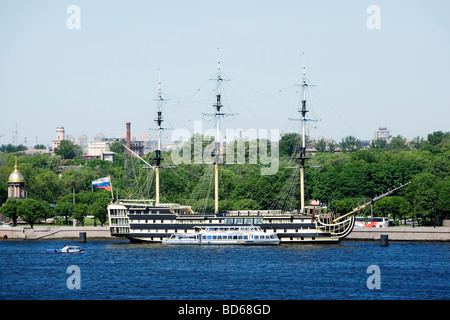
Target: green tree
<point>10,210</point>
<point>405,209</point>
<point>354,179</point>
<point>3,189</point>
<point>9,148</point>
<point>85,197</point>
<point>379,144</point>
<point>117,147</point>
<point>99,212</point>
<point>332,147</point>
<point>398,143</point>
<point>78,179</point>
<point>31,210</point>
<point>80,212</point>
<point>423,196</point>
<point>393,206</point>
<point>443,201</point>
<point>417,143</point>
<point>68,150</point>
<point>321,145</point>
<point>435,138</point>
<point>350,144</point>
<point>288,143</point>
<point>345,205</point>
<point>45,186</point>
<point>64,209</point>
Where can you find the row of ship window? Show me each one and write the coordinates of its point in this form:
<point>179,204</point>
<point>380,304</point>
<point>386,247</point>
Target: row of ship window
<point>226,221</point>
<point>178,211</point>
<point>186,230</point>
<point>119,222</point>
<point>122,213</point>
<point>238,237</point>
<point>127,231</point>
<point>117,213</point>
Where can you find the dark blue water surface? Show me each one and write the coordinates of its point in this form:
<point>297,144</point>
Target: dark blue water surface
<point>114,270</point>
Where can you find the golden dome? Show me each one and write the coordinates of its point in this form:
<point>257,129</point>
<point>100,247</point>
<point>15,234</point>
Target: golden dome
<point>16,176</point>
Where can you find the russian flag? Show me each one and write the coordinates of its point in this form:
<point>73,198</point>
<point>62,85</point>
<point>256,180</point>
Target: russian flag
<point>104,183</point>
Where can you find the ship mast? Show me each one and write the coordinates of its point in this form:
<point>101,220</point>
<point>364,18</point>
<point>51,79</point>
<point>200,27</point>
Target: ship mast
<point>303,157</point>
<point>217,141</point>
<point>158,121</point>
<point>218,106</point>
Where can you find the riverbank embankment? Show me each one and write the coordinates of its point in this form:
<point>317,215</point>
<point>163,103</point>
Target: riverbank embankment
<point>53,232</point>
<point>60,232</point>
<point>402,233</point>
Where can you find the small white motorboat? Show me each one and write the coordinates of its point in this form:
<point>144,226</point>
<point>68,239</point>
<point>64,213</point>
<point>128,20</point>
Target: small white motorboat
<point>66,249</point>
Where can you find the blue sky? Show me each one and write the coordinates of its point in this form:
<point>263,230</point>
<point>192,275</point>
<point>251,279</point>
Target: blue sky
<point>95,79</point>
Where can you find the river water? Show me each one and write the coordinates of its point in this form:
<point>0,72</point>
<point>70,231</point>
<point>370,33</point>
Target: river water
<point>118,270</point>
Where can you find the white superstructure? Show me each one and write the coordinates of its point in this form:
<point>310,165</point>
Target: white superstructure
<point>225,235</point>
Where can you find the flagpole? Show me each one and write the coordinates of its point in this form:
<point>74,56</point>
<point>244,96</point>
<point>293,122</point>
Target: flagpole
<point>110,183</point>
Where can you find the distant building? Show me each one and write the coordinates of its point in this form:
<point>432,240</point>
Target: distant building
<point>71,138</point>
<point>60,136</point>
<point>98,137</point>
<point>82,140</point>
<point>33,151</point>
<point>100,150</point>
<point>16,184</point>
<point>172,146</point>
<point>108,156</point>
<point>152,145</point>
<point>382,133</point>
<point>137,147</point>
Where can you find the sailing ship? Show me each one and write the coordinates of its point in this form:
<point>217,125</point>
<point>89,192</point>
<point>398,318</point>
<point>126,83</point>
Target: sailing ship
<point>153,221</point>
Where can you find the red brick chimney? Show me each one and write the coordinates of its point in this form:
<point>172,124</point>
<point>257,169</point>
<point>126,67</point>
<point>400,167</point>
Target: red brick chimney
<point>128,138</point>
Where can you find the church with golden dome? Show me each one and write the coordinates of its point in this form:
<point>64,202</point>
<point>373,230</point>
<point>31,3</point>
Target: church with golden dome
<point>16,184</point>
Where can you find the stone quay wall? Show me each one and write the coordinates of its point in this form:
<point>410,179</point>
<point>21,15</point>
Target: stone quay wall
<point>56,232</point>
<point>52,232</point>
<point>401,233</point>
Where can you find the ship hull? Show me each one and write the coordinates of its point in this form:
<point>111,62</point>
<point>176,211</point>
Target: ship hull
<point>150,223</point>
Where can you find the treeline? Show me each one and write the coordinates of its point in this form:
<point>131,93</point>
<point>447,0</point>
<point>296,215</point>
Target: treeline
<point>10,148</point>
<point>346,180</point>
<point>32,210</point>
<point>340,181</point>
<point>51,190</point>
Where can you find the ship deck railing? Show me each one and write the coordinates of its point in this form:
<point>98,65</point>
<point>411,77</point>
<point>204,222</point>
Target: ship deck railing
<point>152,203</point>
<point>252,213</point>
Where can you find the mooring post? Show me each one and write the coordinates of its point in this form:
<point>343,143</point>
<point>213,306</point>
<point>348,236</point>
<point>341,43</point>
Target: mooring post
<point>384,241</point>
